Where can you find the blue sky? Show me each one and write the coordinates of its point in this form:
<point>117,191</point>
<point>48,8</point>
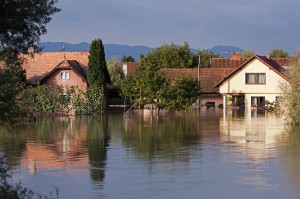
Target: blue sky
<point>259,25</point>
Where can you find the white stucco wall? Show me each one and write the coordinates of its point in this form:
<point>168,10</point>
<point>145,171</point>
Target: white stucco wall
<point>236,84</point>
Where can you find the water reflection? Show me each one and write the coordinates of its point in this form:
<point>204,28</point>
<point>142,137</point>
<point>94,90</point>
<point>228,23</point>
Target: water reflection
<point>290,155</point>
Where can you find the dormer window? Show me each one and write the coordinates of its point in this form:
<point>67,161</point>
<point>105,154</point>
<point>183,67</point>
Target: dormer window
<point>255,78</point>
<point>64,75</point>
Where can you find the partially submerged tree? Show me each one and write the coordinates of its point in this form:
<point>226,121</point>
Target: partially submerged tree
<point>97,68</point>
<point>278,53</point>
<point>115,72</point>
<point>291,95</point>
<point>169,56</point>
<point>181,93</point>
<point>144,86</point>
<point>22,23</point>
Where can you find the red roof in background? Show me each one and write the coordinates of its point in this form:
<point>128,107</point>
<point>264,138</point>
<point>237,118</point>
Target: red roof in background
<point>208,76</point>
<point>225,63</point>
<point>131,66</point>
<point>273,65</point>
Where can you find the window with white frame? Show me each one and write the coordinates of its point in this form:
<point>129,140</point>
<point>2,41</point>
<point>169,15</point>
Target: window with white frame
<point>64,75</point>
<point>255,78</point>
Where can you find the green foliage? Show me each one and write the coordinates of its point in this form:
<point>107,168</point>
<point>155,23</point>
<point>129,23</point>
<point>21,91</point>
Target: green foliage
<point>9,89</point>
<point>278,53</point>
<point>169,56</point>
<point>247,54</point>
<point>127,59</point>
<point>96,64</point>
<point>115,72</point>
<point>64,100</point>
<point>17,191</point>
<point>23,22</point>
<point>181,93</point>
<point>290,103</point>
<point>144,86</point>
<point>205,57</point>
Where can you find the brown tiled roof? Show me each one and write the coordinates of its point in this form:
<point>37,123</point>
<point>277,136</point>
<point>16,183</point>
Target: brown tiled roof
<point>131,66</point>
<point>208,76</point>
<point>225,63</point>
<point>67,64</point>
<point>285,61</point>
<point>38,66</point>
<point>273,65</point>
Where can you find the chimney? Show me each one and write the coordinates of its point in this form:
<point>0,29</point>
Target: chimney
<point>236,57</point>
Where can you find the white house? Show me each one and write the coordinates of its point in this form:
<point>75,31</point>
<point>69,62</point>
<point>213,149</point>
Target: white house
<point>255,81</point>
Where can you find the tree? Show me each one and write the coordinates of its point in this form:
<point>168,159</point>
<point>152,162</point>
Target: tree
<point>290,103</point>
<point>181,93</point>
<point>127,59</point>
<point>169,56</point>
<point>247,54</point>
<point>115,72</point>
<point>205,57</point>
<point>278,53</point>
<point>23,22</point>
<point>144,86</point>
<point>97,70</point>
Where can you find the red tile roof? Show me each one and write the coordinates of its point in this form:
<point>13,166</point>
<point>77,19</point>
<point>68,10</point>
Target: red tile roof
<point>208,76</point>
<point>131,66</point>
<point>41,64</point>
<point>68,64</point>
<point>225,63</point>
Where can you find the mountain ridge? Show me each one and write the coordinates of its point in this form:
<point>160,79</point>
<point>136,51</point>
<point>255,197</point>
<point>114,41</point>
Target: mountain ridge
<point>119,50</point>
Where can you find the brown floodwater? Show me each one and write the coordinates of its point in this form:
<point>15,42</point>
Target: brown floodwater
<point>206,154</point>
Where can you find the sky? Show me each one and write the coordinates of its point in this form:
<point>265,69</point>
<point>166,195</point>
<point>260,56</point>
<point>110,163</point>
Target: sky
<point>259,25</point>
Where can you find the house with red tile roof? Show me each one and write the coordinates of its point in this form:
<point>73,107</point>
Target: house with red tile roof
<point>254,82</point>
<point>58,68</point>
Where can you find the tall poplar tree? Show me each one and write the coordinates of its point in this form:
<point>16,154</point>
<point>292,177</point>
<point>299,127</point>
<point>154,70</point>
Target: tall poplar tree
<point>97,64</point>
<point>97,69</point>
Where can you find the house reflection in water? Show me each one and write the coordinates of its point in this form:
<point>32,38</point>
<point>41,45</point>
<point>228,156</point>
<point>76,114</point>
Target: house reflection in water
<point>254,130</point>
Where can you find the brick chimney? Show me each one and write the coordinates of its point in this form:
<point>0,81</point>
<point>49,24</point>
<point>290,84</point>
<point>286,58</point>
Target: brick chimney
<point>236,57</point>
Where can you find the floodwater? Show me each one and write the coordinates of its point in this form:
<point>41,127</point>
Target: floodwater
<point>177,155</point>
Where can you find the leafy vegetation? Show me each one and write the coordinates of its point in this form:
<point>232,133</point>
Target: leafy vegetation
<point>9,190</point>
<point>278,53</point>
<point>247,54</point>
<point>169,56</point>
<point>180,94</point>
<point>290,103</point>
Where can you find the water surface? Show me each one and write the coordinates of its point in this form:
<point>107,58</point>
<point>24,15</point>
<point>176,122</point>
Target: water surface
<point>176,155</point>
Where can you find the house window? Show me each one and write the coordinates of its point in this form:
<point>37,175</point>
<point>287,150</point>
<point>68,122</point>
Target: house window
<point>255,78</point>
<point>64,75</point>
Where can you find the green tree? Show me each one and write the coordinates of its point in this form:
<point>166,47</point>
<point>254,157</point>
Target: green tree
<point>23,22</point>
<point>290,103</point>
<point>181,93</point>
<point>115,72</point>
<point>144,86</point>
<point>97,69</point>
<point>127,59</point>
<point>169,56</point>
<point>278,53</point>
<point>247,54</point>
<point>205,57</point>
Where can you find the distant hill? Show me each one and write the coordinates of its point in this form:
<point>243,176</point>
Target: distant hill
<point>111,50</point>
<point>118,51</point>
